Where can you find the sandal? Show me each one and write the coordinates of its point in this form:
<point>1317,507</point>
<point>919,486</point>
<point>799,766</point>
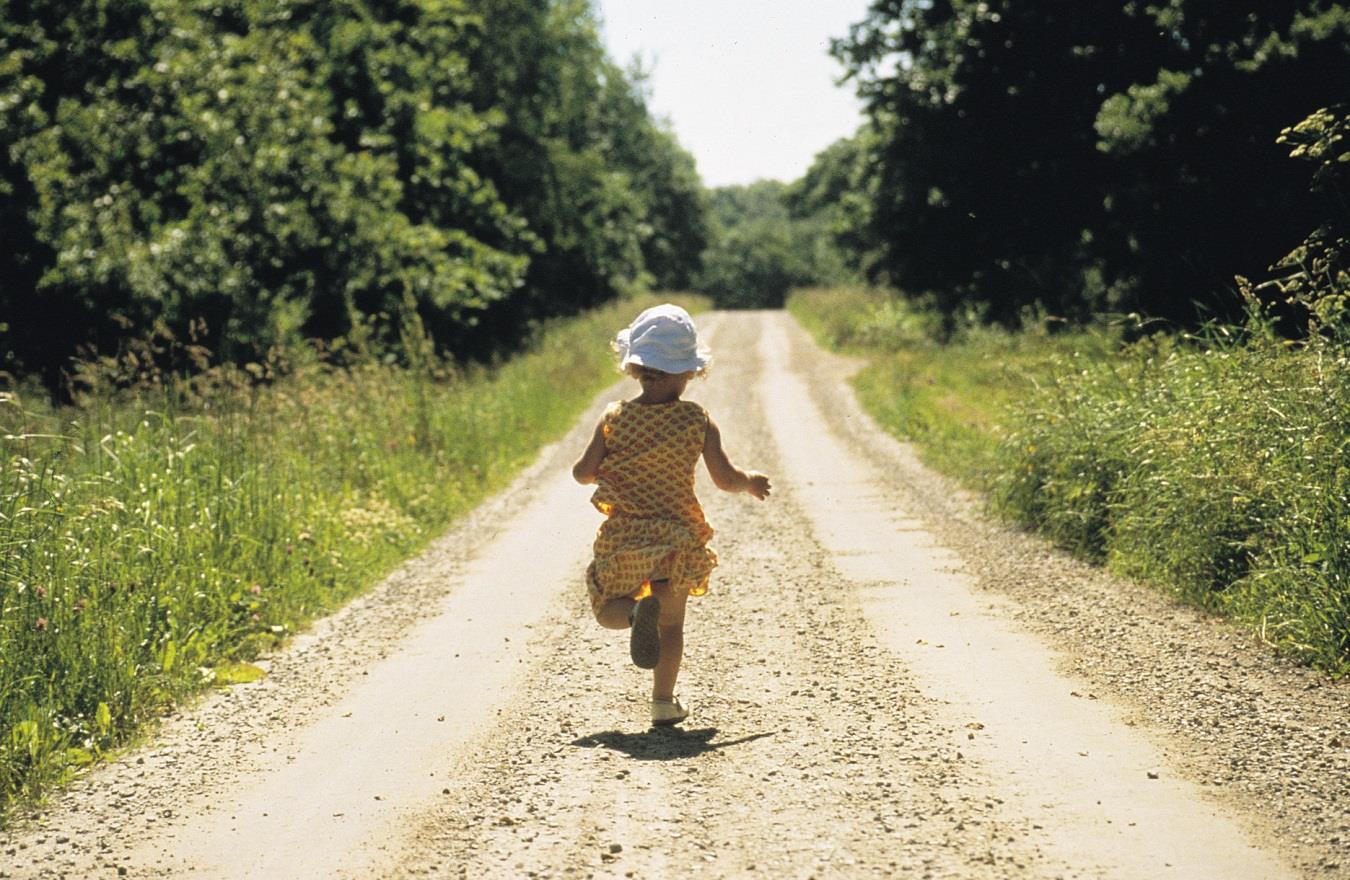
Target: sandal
<point>644,638</point>
<point>668,712</point>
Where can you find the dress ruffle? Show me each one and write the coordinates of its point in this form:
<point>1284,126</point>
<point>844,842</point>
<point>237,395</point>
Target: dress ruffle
<point>631,552</point>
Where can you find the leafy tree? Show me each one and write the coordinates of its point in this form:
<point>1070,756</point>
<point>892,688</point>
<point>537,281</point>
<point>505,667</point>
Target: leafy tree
<point>663,175</point>
<point>1318,270</point>
<point>987,168</point>
<point>1204,191</point>
<point>759,252</point>
<point>1111,155</point>
<point>261,168</point>
<point>836,193</point>
<point>47,59</point>
<point>268,168</point>
<point>542,66</point>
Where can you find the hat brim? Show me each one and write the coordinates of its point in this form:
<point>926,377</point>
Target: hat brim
<point>667,365</point>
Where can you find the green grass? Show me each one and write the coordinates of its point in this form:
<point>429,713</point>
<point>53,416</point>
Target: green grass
<point>1219,470</point>
<point>151,542</point>
<point>1215,468</point>
<point>955,400</point>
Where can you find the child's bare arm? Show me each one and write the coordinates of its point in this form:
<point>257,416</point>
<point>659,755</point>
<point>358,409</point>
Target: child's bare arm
<point>587,467</point>
<point>725,475</point>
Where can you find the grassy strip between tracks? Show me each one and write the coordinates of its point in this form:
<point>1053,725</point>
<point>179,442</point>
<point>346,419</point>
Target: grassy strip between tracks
<point>152,542</point>
<point>1217,468</point>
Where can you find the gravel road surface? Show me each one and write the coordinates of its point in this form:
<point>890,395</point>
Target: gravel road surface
<point>883,683</point>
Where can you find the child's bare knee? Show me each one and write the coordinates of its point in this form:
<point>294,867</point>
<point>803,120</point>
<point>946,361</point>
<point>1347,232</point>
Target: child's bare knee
<point>614,613</point>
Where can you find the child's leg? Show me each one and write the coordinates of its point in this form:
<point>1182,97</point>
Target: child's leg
<point>671,627</point>
<point>615,613</point>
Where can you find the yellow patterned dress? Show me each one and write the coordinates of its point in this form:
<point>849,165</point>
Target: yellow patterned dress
<point>654,527</point>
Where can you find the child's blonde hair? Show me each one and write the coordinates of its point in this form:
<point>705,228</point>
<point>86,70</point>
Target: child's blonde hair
<point>639,372</point>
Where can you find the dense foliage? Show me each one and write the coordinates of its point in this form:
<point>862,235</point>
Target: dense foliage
<point>1217,471</point>
<point>252,171</point>
<point>1108,155</point>
<point>766,240</point>
<point>1316,274</point>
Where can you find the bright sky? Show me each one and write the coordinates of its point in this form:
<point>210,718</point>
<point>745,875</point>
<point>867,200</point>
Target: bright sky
<point>748,85</point>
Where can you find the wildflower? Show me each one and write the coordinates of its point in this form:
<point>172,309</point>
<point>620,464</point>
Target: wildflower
<point>40,624</point>
<point>256,589</point>
<point>40,591</point>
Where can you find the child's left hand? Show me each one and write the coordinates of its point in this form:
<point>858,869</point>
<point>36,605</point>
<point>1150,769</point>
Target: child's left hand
<point>757,484</point>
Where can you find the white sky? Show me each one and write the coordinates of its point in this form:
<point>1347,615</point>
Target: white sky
<point>748,85</point>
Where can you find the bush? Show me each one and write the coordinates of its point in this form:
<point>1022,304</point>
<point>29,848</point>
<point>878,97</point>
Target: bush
<point>1319,269</point>
<point>1218,470</point>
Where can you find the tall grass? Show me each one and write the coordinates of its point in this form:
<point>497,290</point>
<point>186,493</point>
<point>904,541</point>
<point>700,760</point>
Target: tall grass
<point>1220,470</point>
<point>151,539</point>
<point>953,399</point>
<point>1217,467</point>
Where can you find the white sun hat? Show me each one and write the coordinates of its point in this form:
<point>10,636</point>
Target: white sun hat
<point>664,338</point>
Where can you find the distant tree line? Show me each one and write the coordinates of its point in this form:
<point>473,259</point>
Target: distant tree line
<point>760,247</point>
<point>257,170</point>
<point>768,237</point>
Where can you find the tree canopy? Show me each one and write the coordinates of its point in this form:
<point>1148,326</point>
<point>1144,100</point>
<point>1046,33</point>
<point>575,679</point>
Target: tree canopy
<point>758,251</point>
<point>259,170</point>
<point>247,172</point>
<point>1094,156</point>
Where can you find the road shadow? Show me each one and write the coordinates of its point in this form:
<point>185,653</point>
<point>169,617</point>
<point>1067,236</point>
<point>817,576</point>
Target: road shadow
<point>662,743</point>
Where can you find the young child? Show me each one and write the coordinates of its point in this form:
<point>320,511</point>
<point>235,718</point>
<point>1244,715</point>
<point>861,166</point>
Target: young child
<point>651,552</point>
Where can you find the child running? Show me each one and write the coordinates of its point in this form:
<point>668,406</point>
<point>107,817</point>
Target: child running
<point>651,552</point>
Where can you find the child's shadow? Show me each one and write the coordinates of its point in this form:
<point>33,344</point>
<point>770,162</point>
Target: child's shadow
<point>662,743</point>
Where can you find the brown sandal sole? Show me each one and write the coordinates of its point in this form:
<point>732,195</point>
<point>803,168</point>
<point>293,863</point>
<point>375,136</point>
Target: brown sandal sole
<point>644,639</point>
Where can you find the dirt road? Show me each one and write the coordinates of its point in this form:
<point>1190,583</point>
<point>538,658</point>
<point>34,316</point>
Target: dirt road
<point>883,684</point>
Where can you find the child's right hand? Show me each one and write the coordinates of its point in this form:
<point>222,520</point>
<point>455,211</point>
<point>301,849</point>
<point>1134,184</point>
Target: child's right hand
<point>757,484</point>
